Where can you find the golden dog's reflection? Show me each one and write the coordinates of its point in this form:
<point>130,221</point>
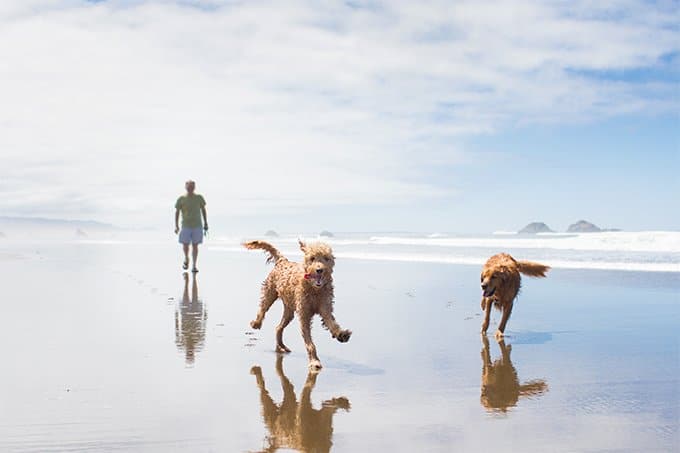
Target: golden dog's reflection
<point>296,424</point>
<point>500,385</point>
<point>190,320</point>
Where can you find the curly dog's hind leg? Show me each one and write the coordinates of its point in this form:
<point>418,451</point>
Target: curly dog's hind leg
<point>287,317</point>
<point>269,295</point>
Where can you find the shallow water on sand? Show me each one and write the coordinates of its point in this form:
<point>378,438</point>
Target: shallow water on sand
<point>109,347</point>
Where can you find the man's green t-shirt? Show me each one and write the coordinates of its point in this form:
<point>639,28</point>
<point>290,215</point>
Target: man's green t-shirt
<point>190,206</point>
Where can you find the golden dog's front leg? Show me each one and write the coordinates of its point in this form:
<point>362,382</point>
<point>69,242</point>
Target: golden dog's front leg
<point>507,310</point>
<point>486,306</point>
<point>306,328</point>
<point>332,325</point>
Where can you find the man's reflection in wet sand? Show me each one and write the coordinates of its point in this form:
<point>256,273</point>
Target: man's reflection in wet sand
<point>190,320</point>
<point>500,385</point>
<point>297,425</point>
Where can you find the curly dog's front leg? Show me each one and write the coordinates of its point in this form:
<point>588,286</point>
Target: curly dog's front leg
<point>306,327</point>
<point>332,325</point>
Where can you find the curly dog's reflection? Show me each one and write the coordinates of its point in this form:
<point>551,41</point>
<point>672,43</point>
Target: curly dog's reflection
<point>500,385</point>
<point>297,425</point>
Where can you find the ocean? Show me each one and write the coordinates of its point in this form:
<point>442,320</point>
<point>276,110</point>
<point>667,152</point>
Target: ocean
<point>646,251</point>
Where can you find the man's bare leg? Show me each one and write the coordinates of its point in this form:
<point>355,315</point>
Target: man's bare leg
<point>185,248</point>
<point>194,255</point>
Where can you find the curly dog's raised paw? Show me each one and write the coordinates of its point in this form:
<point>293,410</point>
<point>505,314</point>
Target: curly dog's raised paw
<point>255,324</point>
<point>343,337</point>
<point>340,403</point>
<point>315,365</point>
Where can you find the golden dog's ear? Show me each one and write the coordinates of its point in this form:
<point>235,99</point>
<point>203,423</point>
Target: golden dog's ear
<point>303,246</point>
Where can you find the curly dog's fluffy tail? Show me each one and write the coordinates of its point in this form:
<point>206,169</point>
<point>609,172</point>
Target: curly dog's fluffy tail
<point>532,269</point>
<point>274,254</point>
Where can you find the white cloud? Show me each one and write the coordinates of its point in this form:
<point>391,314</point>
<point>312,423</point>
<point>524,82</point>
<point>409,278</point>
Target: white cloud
<point>107,107</point>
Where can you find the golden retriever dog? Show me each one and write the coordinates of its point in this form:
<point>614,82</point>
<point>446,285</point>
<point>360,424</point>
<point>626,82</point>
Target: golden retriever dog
<point>500,385</point>
<point>501,282</point>
<point>306,289</point>
<point>294,423</point>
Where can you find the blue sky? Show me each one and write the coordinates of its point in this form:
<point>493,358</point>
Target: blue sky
<point>425,116</point>
<point>620,173</point>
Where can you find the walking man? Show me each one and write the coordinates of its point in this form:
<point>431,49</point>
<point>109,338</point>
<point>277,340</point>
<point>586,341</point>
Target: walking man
<point>192,206</point>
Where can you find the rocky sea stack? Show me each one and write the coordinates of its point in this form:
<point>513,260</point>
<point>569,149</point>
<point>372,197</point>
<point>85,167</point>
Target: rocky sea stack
<point>583,226</point>
<point>535,227</point>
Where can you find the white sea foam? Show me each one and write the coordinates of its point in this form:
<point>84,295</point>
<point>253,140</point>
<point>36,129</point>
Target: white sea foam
<point>653,251</point>
<point>645,241</point>
<point>479,260</point>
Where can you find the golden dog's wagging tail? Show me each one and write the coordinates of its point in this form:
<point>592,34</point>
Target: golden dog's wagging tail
<point>274,254</point>
<point>532,269</point>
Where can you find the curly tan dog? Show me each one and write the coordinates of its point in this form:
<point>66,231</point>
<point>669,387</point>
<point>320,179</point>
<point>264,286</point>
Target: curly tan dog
<point>305,288</point>
<point>500,284</point>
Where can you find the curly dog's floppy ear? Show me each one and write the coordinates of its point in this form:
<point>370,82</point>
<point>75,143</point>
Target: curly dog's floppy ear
<point>303,246</point>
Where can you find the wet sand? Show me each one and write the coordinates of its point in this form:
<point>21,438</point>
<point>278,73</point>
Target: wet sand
<point>108,347</point>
